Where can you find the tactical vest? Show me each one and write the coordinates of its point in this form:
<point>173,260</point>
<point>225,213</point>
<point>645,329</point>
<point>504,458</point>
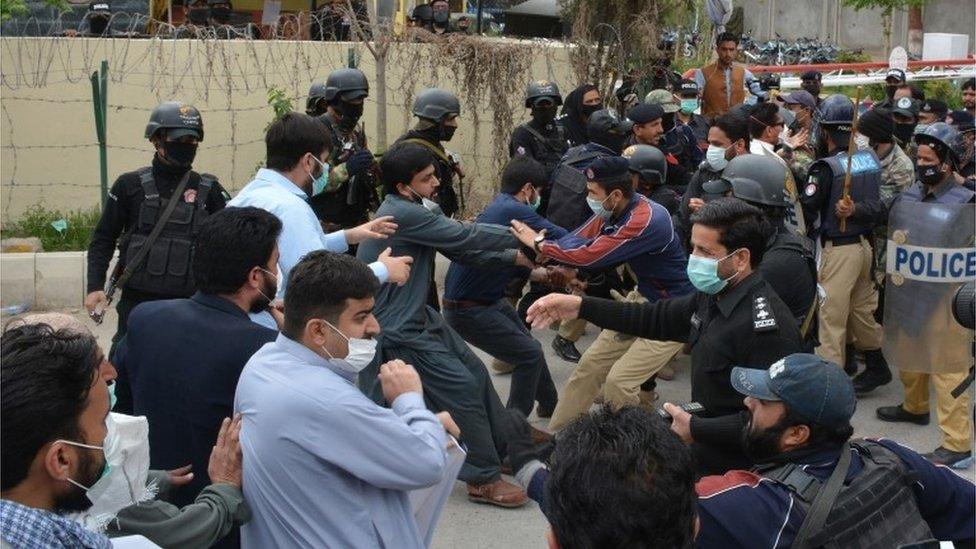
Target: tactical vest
<point>865,186</point>
<point>807,320</point>
<point>877,510</point>
<point>167,268</point>
<point>957,195</point>
<point>715,94</point>
<point>567,201</point>
<point>348,204</point>
<point>550,150</point>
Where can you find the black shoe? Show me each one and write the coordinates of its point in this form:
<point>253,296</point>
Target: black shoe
<point>566,349</point>
<point>545,412</point>
<point>955,460</point>
<point>850,362</point>
<point>897,414</point>
<point>875,374</point>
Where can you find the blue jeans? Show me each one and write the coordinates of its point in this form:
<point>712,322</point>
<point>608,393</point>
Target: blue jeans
<point>496,329</point>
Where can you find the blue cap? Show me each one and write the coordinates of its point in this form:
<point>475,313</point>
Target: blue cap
<point>810,386</point>
<point>608,169</point>
<point>644,113</point>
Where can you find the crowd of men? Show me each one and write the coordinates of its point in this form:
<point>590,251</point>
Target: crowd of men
<point>287,365</point>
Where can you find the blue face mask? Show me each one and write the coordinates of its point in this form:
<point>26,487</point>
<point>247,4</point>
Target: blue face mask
<point>703,273</point>
<point>598,209</point>
<point>688,106</point>
<point>322,181</point>
<point>112,399</point>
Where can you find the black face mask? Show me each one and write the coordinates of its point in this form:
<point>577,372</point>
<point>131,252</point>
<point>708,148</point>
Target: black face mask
<point>544,115</point>
<point>97,25</point>
<point>813,89</point>
<point>220,15</point>
<point>930,175</point>
<point>199,16</point>
<point>447,132</point>
<point>587,110</point>
<point>441,17</point>
<point>667,121</point>
<point>351,113</point>
<point>180,154</point>
<point>904,132</point>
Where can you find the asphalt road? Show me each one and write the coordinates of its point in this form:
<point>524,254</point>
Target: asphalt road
<point>472,526</point>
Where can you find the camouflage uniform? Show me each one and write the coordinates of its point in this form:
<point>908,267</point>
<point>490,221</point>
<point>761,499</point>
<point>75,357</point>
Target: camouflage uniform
<point>897,174</point>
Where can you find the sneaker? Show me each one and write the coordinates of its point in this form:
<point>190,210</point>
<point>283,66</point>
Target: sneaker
<point>897,414</point>
<point>954,460</point>
<point>566,349</point>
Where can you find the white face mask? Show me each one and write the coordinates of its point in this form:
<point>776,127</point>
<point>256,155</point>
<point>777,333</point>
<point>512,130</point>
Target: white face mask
<point>361,351</point>
<point>126,450</point>
<point>715,156</point>
<point>428,203</point>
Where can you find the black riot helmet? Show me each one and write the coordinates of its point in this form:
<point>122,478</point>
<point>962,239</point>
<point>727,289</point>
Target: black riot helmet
<point>315,93</point>
<point>647,162</point>
<point>177,119</point>
<point>542,89</point>
<point>346,84</point>
<point>945,140</point>
<point>436,104</point>
<point>757,179</point>
<point>836,116</point>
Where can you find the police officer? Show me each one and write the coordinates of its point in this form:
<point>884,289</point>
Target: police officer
<point>845,267</point>
<point>679,140</point>
<point>542,138</point>
<point>938,152</point>
<point>136,203</point>
<point>437,111</point>
<point>734,318</point>
<point>789,264</point>
<point>649,170</point>
<point>351,191</point>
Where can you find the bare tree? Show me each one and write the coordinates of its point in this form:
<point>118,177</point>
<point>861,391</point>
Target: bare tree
<point>377,40</point>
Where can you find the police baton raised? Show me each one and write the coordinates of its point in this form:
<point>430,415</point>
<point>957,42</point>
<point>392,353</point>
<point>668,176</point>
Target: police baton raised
<point>851,148</point>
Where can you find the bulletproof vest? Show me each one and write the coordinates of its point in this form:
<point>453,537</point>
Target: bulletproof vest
<point>167,268</point>
<point>957,195</point>
<point>567,201</point>
<point>551,149</point>
<point>349,203</point>
<point>877,510</point>
<point>805,248</point>
<point>865,185</point>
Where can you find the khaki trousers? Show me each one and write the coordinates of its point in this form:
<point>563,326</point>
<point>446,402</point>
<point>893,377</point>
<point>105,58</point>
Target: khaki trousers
<point>954,415</point>
<point>617,363</point>
<point>845,274</point>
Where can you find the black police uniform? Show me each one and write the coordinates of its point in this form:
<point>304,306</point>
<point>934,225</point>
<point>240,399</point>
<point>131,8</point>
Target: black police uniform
<point>350,203</point>
<point>682,219</point>
<point>747,325</point>
<point>166,271</point>
<point>444,169</point>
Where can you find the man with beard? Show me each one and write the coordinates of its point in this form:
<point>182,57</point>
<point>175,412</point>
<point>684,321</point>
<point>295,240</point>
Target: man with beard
<point>969,96</point>
<point>350,193</point>
<point>54,407</point>
<point>877,492</point>
<point>580,104</point>
<point>679,141</point>
<point>197,347</point>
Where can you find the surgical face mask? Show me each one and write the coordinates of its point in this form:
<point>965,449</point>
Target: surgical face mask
<point>266,292</point>
<point>598,209</point>
<point>123,483</point>
<point>112,399</point>
<point>703,273</point>
<point>688,106</point>
<point>428,203</point>
<point>537,202</point>
<point>179,153</point>
<point>715,156</point>
<point>320,182</point>
<point>920,128</point>
<point>929,174</point>
<point>361,351</point>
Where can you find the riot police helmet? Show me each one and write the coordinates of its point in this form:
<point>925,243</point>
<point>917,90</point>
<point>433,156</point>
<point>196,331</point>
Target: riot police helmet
<point>346,84</point>
<point>945,140</point>
<point>837,113</point>
<point>315,93</point>
<point>757,179</point>
<point>647,162</point>
<point>542,89</point>
<point>176,119</point>
<point>436,104</point>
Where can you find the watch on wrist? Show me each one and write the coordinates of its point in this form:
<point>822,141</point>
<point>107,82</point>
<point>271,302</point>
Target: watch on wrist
<point>538,241</point>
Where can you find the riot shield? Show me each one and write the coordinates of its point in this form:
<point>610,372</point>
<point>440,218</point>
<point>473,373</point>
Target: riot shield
<point>930,255</point>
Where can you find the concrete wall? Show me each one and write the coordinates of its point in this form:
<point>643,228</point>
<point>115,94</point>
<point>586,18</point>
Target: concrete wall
<point>49,153</point>
<point>831,20</point>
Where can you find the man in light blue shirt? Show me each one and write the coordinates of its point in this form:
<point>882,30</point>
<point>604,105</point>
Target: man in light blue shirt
<point>296,145</point>
<point>324,466</point>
